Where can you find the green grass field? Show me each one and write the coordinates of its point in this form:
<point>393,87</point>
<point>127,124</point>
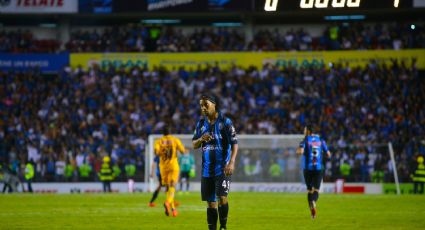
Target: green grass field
<point>247,211</point>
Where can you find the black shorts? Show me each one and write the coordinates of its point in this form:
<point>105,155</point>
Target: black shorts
<point>313,179</point>
<point>184,175</point>
<point>212,187</point>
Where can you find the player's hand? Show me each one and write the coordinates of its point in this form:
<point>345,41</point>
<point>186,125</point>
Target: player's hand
<point>328,155</point>
<point>151,176</point>
<point>206,137</point>
<point>229,168</point>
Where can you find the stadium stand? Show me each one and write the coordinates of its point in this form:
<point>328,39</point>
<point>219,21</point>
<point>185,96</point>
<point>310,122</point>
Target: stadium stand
<point>79,116</point>
<point>139,38</point>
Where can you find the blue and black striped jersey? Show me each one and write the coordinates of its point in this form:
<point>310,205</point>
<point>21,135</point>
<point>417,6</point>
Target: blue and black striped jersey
<point>314,149</point>
<point>216,153</point>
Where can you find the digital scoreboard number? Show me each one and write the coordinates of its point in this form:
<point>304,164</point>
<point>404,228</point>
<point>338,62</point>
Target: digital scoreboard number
<point>290,5</point>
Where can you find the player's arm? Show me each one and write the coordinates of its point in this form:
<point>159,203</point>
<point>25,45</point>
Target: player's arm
<point>203,139</point>
<point>153,168</point>
<point>300,149</point>
<point>180,146</point>
<point>230,167</point>
<point>325,149</point>
<point>156,148</point>
<point>197,139</point>
<point>231,132</point>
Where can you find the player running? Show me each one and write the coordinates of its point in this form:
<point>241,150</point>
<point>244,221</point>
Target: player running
<point>312,148</point>
<point>166,148</point>
<point>155,170</point>
<point>216,136</point>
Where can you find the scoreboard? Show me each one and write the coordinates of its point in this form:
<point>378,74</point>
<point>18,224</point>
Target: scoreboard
<point>200,6</point>
<point>344,5</point>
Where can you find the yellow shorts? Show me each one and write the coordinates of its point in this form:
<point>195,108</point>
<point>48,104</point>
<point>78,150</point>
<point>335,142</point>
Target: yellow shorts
<point>170,175</point>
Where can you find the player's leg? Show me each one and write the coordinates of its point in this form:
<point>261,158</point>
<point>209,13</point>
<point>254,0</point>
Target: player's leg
<point>187,182</point>
<point>421,188</point>
<point>181,181</point>
<point>222,190</point>
<point>184,179</point>
<point>316,181</point>
<point>156,192</point>
<point>173,178</point>
<point>308,183</point>
<point>165,180</point>
<point>155,195</point>
<point>208,194</point>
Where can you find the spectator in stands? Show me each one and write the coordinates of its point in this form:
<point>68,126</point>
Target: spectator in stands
<point>115,113</point>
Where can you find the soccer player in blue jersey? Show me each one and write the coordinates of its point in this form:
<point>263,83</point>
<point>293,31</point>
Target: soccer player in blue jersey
<point>216,136</point>
<point>313,148</point>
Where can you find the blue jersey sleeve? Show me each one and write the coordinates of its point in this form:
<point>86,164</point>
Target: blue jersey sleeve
<point>231,131</point>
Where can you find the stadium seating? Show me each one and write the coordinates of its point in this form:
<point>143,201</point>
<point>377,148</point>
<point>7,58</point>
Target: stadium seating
<point>80,115</point>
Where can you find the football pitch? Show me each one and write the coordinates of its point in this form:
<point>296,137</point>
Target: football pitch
<point>247,211</point>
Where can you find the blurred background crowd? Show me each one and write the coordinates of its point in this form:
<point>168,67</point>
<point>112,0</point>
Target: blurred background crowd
<point>138,38</point>
<point>65,123</point>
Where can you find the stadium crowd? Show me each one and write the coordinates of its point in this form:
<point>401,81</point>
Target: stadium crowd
<point>355,36</point>
<point>137,38</point>
<point>67,122</point>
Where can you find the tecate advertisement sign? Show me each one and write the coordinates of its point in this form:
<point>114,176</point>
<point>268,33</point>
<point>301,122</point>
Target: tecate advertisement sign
<point>38,6</point>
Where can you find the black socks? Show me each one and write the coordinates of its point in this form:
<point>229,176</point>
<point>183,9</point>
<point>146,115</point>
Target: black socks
<point>212,217</point>
<point>155,195</point>
<point>315,196</point>
<point>309,197</point>
<point>223,210</point>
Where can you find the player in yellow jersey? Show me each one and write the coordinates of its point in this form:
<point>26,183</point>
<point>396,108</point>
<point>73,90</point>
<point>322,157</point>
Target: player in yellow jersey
<point>166,148</point>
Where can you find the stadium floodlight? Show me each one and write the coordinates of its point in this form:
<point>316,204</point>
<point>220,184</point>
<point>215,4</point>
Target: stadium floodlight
<point>396,2</point>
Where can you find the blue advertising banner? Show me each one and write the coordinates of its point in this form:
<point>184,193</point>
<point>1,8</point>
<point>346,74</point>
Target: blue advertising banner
<point>46,62</point>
